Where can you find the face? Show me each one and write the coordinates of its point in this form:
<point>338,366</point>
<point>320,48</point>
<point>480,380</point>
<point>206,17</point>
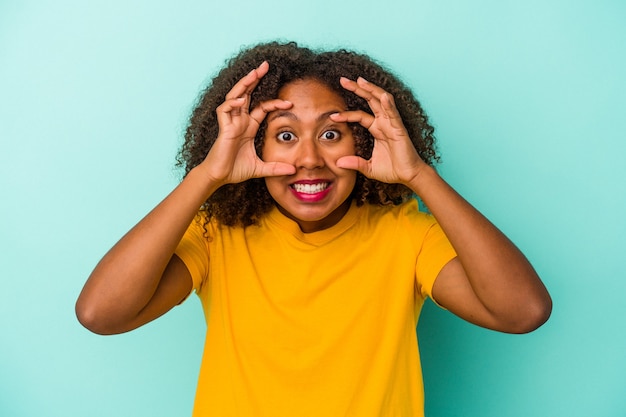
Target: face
<point>316,196</point>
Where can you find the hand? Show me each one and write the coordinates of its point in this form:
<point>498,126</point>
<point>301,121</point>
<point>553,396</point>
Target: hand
<point>394,158</point>
<point>232,158</point>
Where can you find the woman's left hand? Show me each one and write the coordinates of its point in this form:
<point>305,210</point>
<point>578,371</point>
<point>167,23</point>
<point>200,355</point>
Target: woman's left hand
<point>394,158</point>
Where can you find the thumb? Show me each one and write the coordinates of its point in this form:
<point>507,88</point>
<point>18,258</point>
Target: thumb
<point>355,163</point>
<point>274,169</point>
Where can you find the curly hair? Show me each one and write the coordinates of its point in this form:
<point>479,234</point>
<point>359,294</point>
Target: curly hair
<point>245,203</point>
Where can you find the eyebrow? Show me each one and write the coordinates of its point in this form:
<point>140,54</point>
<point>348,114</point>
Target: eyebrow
<point>291,116</point>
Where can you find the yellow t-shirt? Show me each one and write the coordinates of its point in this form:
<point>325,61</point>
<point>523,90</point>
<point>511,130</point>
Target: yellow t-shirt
<point>319,324</point>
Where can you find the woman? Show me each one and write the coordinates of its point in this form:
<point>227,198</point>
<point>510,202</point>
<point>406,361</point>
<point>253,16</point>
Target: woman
<point>297,227</point>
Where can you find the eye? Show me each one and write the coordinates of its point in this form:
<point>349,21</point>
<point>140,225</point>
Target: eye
<point>331,135</point>
<point>285,136</point>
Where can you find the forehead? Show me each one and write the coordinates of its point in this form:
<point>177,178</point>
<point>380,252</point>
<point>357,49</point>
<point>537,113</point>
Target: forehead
<point>310,93</point>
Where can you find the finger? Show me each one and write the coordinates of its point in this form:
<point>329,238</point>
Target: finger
<point>225,110</point>
<point>355,163</point>
<point>274,169</point>
<point>375,91</point>
<point>248,83</point>
<point>261,111</point>
<point>365,93</point>
<point>354,86</point>
<point>371,88</point>
<point>348,84</point>
<point>388,107</point>
<point>356,116</point>
<point>391,111</point>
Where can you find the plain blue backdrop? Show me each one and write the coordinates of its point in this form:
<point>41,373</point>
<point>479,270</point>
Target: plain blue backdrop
<point>528,99</point>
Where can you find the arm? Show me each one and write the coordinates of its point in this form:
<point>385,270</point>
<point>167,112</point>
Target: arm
<point>490,283</point>
<point>140,278</point>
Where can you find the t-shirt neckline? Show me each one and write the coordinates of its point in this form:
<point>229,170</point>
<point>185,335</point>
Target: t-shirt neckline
<point>318,238</point>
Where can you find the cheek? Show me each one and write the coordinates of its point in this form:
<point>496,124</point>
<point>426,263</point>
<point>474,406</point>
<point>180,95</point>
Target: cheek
<point>267,151</point>
<point>352,179</point>
<point>272,185</point>
<point>261,147</point>
<point>349,147</point>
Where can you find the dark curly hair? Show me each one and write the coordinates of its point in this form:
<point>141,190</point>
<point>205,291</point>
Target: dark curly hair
<point>245,203</point>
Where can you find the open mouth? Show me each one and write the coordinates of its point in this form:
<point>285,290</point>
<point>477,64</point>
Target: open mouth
<point>307,188</point>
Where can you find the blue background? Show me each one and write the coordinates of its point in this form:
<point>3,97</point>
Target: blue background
<point>528,99</point>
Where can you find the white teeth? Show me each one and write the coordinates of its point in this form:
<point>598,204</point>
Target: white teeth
<point>310,188</point>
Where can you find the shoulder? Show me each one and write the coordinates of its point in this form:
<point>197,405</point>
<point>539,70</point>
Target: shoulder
<point>403,224</point>
<point>200,232</point>
<point>407,214</point>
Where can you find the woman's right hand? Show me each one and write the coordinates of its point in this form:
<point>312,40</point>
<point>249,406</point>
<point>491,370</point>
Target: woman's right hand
<point>233,158</point>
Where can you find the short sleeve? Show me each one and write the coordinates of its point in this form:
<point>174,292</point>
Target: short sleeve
<point>436,251</point>
<point>193,250</point>
<point>432,247</point>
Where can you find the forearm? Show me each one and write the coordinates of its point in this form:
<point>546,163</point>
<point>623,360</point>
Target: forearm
<point>500,275</point>
<point>138,279</point>
<point>127,277</point>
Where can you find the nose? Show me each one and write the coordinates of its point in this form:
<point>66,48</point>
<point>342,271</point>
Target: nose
<point>309,155</point>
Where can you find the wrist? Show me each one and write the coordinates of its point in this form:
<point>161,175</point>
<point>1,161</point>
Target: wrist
<point>201,178</point>
<point>424,175</point>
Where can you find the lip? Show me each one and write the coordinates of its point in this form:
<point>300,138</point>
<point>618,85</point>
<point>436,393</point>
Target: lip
<point>311,197</point>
